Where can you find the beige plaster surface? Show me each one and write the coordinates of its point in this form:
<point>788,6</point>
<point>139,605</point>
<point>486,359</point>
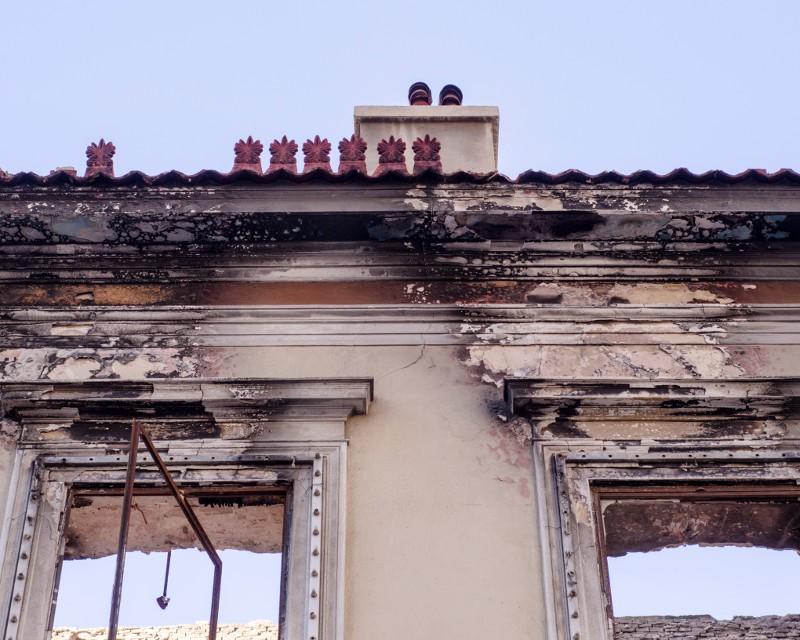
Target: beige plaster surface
<point>441,520</point>
<point>441,536</point>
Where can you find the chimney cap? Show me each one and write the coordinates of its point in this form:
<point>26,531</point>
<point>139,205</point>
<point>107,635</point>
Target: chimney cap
<point>450,95</point>
<point>419,94</point>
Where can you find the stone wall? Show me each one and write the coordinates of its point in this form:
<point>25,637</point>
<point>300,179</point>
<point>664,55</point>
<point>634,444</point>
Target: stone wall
<point>693,627</point>
<point>257,630</point>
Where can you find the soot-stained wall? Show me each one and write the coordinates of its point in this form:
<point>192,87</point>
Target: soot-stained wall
<point>439,290</point>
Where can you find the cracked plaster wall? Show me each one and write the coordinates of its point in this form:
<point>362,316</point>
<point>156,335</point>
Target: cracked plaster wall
<point>440,516</point>
<point>438,461</point>
<point>458,517</point>
<point>86,364</point>
<point>448,483</point>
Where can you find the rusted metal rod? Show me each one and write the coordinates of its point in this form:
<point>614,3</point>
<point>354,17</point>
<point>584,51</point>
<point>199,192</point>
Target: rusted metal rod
<point>138,432</point>
<point>198,529</point>
<point>130,476</point>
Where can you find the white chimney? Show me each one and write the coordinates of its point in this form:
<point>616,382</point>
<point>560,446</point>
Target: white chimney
<point>468,135</point>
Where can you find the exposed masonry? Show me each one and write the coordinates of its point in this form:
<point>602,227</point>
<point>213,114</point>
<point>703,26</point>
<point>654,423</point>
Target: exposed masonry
<point>255,524</point>
<point>695,627</point>
<point>257,630</point>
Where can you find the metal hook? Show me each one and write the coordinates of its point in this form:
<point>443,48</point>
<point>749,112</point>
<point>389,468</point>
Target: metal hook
<point>163,600</point>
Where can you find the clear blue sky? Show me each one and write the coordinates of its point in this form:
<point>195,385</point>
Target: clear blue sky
<point>706,84</point>
<point>720,581</point>
<point>625,85</point>
<point>250,589</point>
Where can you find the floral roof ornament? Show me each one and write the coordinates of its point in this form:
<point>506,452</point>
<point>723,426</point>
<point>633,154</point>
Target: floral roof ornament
<point>316,154</point>
<point>248,155</point>
<point>391,156</point>
<point>352,154</point>
<point>283,154</point>
<point>426,154</point>
<point>100,158</point>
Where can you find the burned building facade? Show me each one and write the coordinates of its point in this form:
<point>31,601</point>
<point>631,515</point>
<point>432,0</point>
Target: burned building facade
<point>448,396</point>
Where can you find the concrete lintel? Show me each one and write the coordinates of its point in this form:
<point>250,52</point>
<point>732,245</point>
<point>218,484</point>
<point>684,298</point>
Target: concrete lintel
<point>245,408</point>
<point>631,391</point>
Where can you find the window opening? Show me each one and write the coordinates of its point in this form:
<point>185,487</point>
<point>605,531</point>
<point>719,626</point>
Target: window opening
<point>250,591</point>
<point>719,581</point>
<point>248,520</point>
<point>655,538</point>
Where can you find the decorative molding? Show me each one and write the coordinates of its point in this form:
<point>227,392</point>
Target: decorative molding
<point>313,470</point>
<point>283,155</point>
<point>248,155</point>
<point>391,156</point>
<point>316,154</point>
<point>185,409</point>
<point>100,158</point>
<point>570,511</point>
<point>352,154</point>
<point>398,325</point>
<point>426,154</point>
<point>649,409</point>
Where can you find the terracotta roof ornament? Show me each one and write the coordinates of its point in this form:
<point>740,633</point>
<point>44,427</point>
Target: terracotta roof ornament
<point>352,154</point>
<point>426,154</point>
<point>100,159</point>
<point>419,95</point>
<point>282,155</point>
<point>316,154</point>
<point>248,155</point>
<point>391,156</point>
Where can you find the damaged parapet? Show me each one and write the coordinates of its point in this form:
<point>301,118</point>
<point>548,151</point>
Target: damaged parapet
<point>468,135</point>
<point>701,627</point>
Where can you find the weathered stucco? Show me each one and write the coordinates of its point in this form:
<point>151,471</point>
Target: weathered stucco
<point>440,292</point>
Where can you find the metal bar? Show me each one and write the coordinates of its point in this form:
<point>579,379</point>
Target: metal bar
<point>130,477</point>
<point>198,529</point>
<point>166,572</point>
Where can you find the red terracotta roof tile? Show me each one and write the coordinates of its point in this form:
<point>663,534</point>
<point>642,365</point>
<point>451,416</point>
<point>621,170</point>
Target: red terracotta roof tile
<point>572,176</point>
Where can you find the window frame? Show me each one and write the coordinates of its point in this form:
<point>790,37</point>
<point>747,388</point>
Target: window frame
<point>637,431</point>
<point>298,444</point>
<point>55,478</point>
<point>579,527</point>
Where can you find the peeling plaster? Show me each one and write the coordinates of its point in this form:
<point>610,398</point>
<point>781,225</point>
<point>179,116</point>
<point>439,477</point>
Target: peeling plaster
<point>70,329</point>
<point>664,293</point>
<point>493,363</point>
<point>74,368</point>
<point>63,364</point>
<point>417,199</point>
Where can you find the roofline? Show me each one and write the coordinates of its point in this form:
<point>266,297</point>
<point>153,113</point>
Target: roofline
<point>208,177</point>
